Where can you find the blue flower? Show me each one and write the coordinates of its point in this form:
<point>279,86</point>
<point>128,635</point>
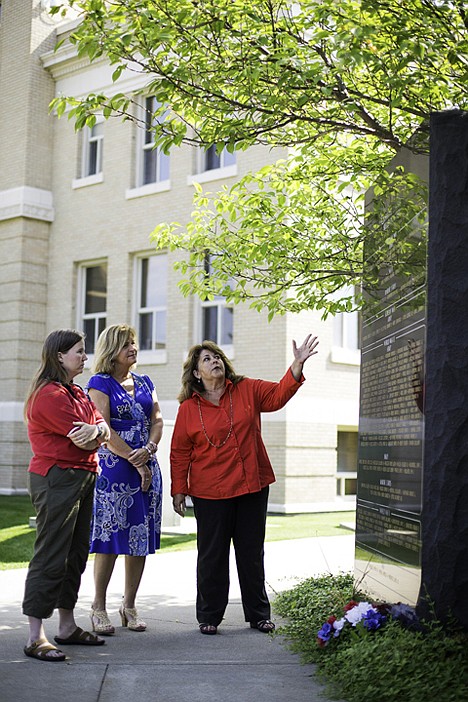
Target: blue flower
<point>324,634</point>
<point>373,620</point>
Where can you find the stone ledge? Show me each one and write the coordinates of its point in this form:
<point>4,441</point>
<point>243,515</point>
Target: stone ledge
<point>25,201</point>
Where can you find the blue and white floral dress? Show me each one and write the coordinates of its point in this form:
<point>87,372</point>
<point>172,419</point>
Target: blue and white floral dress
<point>126,520</point>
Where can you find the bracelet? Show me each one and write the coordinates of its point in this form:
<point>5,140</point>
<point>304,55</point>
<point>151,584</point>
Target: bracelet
<point>153,446</point>
<point>147,449</point>
<point>100,435</point>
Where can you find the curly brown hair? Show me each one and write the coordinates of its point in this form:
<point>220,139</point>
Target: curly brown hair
<point>190,384</point>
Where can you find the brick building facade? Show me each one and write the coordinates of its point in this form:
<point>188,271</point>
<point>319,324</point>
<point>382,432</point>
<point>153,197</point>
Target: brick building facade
<point>76,212</point>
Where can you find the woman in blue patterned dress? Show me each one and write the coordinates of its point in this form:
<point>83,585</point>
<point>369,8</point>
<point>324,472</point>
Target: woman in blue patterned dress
<point>128,495</point>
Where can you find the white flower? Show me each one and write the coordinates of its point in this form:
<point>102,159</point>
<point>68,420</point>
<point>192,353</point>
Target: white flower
<point>339,624</point>
<point>358,612</point>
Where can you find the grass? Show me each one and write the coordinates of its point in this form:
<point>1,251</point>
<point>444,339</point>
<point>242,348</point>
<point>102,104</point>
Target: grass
<point>17,538</point>
<point>390,664</point>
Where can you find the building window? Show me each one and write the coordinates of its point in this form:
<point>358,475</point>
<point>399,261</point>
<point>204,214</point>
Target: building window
<point>346,468</point>
<point>217,318</point>
<point>154,164</point>
<point>346,330</point>
<point>93,143</point>
<point>212,166</point>
<point>93,302</point>
<point>210,160</point>
<point>346,335</point>
<point>152,302</point>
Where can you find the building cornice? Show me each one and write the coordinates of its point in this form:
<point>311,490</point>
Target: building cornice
<point>65,61</point>
<point>67,70</point>
<point>26,201</point>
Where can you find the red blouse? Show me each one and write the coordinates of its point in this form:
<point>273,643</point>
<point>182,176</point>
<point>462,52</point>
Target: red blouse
<point>237,463</point>
<point>50,419</point>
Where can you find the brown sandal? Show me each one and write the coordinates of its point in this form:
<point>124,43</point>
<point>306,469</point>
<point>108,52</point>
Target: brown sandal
<point>41,650</point>
<point>80,637</point>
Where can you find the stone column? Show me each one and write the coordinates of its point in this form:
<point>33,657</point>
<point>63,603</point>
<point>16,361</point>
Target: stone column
<point>26,211</point>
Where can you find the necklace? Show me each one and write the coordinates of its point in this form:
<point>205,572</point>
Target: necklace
<point>203,424</point>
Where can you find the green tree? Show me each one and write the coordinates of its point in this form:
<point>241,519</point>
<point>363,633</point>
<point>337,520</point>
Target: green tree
<point>336,87</point>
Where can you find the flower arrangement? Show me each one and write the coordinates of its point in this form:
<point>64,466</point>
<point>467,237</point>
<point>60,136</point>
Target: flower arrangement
<point>362,618</point>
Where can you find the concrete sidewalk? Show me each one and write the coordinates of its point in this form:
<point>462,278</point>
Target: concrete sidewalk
<point>171,661</point>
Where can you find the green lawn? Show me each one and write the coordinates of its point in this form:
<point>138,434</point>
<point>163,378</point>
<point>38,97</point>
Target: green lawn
<point>17,538</point>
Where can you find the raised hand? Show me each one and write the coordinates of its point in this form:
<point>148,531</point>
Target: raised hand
<point>307,349</point>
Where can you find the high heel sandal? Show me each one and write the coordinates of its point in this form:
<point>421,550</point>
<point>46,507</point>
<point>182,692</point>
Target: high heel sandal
<point>100,622</point>
<point>130,619</point>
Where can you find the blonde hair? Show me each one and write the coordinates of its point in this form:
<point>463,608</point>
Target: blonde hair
<point>51,370</point>
<point>109,344</point>
<point>190,384</point>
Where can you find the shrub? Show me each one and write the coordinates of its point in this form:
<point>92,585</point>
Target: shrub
<point>390,664</point>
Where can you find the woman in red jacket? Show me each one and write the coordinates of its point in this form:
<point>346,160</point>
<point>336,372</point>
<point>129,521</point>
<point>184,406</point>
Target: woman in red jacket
<point>64,429</point>
<point>219,459</point>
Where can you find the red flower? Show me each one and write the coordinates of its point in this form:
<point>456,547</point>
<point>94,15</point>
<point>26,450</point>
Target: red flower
<point>350,605</point>
<point>321,643</point>
<point>331,619</point>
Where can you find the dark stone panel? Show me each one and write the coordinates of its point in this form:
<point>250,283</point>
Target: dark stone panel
<point>445,490</point>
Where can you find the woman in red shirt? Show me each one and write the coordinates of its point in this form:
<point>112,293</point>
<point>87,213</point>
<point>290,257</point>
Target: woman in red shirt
<point>219,459</point>
<point>64,429</point>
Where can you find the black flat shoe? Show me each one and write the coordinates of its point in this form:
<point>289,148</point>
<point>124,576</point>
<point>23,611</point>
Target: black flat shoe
<point>209,629</point>
<point>264,625</point>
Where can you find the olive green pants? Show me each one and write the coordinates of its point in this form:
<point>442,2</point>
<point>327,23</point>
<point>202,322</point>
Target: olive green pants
<point>63,501</point>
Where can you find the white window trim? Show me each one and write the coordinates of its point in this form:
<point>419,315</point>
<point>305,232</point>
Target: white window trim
<point>149,189</point>
<point>214,174</point>
<point>344,353</point>
<point>146,357</point>
<point>88,180</point>
<point>350,357</point>
<point>152,358</point>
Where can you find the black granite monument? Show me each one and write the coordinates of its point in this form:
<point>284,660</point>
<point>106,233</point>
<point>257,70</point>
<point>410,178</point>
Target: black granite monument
<point>412,511</point>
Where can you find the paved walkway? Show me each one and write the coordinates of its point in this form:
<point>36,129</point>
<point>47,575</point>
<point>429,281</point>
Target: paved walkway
<point>171,661</point>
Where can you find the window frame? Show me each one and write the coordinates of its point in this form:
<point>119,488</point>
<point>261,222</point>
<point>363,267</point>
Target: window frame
<point>346,477</point>
<point>149,356</point>
<point>219,302</point>
<point>82,315</point>
<point>346,327</point>
<point>142,146</point>
<point>204,175</point>
<point>204,155</point>
<point>86,139</point>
